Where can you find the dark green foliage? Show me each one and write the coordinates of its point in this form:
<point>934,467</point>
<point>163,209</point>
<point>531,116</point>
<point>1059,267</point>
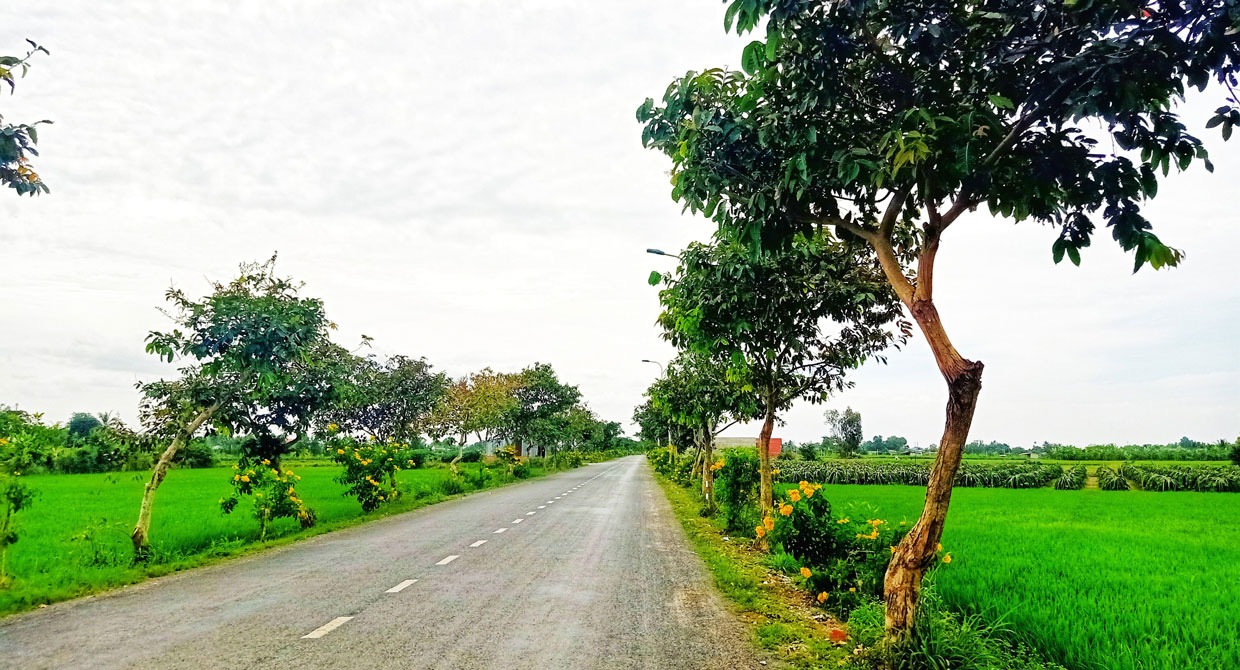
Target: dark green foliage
<point>808,451</point>
<point>81,424</point>
<point>196,454</point>
<point>1234,454</point>
<point>1111,480</point>
<point>1072,479</point>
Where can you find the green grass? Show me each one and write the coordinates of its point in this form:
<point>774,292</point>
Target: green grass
<point>782,624</point>
<point>74,539</point>
<point>1093,579</point>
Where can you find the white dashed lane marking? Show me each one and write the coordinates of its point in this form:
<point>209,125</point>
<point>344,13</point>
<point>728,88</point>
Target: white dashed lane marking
<point>542,507</point>
<point>518,520</point>
<point>500,530</point>
<point>326,628</point>
<point>530,513</point>
<point>402,586</point>
<point>448,559</point>
<point>477,544</point>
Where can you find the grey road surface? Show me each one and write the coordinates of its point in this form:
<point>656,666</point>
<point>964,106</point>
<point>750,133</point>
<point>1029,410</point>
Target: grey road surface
<point>592,571</point>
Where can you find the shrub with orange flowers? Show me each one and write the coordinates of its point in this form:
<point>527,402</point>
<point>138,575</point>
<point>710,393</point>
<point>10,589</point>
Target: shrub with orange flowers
<point>844,559</point>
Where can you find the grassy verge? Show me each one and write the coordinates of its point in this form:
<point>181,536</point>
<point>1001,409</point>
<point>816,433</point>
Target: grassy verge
<point>782,620</point>
<point>786,622</point>
<point>74,538</point>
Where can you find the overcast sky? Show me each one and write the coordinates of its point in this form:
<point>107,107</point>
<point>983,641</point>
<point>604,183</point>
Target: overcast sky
<point>463,180</point>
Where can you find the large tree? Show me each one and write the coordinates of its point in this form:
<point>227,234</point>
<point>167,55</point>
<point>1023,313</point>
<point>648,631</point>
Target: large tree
<point>790,323</point>
<point>845,430</point>
<point>389,400</point>
<point>256,362</point>
<point>888,121</point>
<point>540,398</point>
<point>18,140</point>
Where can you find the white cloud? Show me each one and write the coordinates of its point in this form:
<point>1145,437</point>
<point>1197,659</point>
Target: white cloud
<point>463,180</point>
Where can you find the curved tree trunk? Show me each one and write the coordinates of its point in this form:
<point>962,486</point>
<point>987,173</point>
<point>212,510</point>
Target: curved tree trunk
<point>766,486</point>
<point>916,553</point>
<point>460,453</point>
<point>141,530</point>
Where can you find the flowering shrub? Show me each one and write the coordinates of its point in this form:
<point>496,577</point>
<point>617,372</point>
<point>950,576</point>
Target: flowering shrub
<point>370,469</point>
<point>274,493</point>
<point>845,559</point>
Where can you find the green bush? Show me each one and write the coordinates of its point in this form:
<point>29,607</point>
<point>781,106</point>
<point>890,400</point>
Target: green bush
<point>521,470</point>
<point>736,489</point>
<point>196,454</point>
<point>809,451</point>
<point>369,470</point>
<point>566,460</point>
<point>416,458</point>
<point>846,558</point>
<point>452,486</point>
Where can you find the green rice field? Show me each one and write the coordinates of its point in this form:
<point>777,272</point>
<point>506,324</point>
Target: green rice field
<point>74,539</point>
<point>1094,579</point>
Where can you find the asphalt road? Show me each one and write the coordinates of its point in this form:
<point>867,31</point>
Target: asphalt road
<point>591,571</point>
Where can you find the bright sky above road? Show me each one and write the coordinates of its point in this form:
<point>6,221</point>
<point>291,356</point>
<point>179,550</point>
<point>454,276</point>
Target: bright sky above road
<point>463,180</point>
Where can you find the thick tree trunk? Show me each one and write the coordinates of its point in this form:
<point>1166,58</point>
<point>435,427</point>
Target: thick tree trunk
<point>916,553</point>
<point>766,485</point>
<point>141,531</point>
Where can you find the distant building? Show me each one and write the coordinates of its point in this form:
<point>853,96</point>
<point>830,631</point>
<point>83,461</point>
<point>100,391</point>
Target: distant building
<point>731,442</point>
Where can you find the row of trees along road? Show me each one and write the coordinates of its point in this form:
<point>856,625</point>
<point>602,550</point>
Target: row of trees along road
<point>881,124</point>
<point>256,360</point>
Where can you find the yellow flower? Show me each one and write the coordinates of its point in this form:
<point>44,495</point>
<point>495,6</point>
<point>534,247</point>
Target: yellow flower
<point>805,572</point>
<point>893,549</point>
<point>809,493</point>
<point>938,547</point>
<point>245,478</point>
<point>769,523</point>
<point>844,520</point>
<point>775,472</point>
<point>266,461</point>
<point>852,590</point>
<point>822,597</point>
<point>794,495</point>
<point>760,531</point>
<point>804,485</point>
<point>785,510</point>
<point>340,451</point>
<point>947,558</point>
<point>332,426</point>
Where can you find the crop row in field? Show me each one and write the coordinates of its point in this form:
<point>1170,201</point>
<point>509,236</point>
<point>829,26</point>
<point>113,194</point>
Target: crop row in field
<point>1007,475</point>
<point>1018,475</point>
<point>1096,580</point>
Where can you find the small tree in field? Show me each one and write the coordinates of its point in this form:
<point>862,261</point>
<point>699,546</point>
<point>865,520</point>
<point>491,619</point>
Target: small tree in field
<point>888,121</point>
<point>698,394</point>
<point>257,364</point>
<point>772,319</point>
<point>17,141</point>
<point>846,429</point>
